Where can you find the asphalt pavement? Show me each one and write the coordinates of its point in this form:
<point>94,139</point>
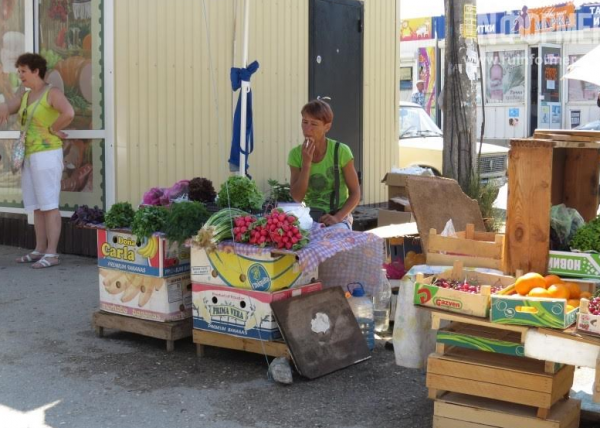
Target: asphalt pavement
<point>55,372</point>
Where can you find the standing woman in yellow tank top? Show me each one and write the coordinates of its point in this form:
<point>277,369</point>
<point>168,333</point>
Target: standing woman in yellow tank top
<point>49,112</point>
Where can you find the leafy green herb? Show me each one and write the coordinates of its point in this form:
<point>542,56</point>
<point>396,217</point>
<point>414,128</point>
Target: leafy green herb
<point>280,192</point>
<point>587,237</point>
<point>240,192</point>
<point>184,220</point>
<point>148,220</point>
<point>120,215</point>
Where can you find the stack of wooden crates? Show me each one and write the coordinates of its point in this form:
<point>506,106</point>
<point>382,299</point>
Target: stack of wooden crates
<point>479,378</point>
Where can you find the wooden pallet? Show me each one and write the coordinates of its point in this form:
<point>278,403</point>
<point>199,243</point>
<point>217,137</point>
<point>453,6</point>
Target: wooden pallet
<point>169,331</point>
<point>461,411</point>
<point>210,338</point>
<point>512,379</point>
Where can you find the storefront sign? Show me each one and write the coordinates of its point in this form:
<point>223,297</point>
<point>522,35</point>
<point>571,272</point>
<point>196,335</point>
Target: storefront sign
<point>490,23</point>
<point>416,29</point>
<point>588,16</point>
<point>545,19</point>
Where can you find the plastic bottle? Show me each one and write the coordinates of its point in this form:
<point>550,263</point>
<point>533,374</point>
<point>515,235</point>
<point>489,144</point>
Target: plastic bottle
<point>362,307</point>
<point>381,303</point>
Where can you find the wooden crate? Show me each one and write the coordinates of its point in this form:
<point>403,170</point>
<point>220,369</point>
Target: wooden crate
<point>542,173</point>
<point>168,331</point>
<point>461,411</point>
<point>473,249</point>
<point>512,379</point>
<point>210,338</point>
<point>480,338</point>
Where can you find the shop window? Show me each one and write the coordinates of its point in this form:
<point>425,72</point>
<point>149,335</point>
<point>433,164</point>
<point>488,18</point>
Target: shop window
<point>12,44</point>
<point>69,39</point>
<point>579,90</point>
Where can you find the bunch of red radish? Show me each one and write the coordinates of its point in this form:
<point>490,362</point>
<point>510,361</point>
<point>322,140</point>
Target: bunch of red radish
<point>276,229</point>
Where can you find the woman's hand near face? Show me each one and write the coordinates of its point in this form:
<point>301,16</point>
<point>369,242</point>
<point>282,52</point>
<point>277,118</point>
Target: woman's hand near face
<point>308,151</point>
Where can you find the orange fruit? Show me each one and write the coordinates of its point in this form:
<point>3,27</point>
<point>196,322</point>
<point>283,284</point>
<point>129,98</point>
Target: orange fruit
<point>552,279</point>
<point>559,291</point>
<point>528,282</point>
<point>585,295</point>
<point>539,292</point>
<point>570,308</point>
<point>573,289</point>
<point>573,302</point>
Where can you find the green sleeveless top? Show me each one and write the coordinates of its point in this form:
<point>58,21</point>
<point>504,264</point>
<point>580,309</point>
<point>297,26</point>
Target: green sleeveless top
<point>39,138</point>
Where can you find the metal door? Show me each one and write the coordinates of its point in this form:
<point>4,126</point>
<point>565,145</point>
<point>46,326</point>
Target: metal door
<point>549,89</point>
<point>336,67</point>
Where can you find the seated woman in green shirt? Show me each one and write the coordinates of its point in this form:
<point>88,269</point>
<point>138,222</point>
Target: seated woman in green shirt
<point>313,173</point>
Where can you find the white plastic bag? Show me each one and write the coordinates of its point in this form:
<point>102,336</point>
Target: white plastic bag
<point>413,337</point>
<point>299,210</point>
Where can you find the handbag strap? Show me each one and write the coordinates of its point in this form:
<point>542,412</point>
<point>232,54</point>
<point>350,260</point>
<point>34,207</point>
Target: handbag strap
<point>334,202</point>
<point>37,103</point>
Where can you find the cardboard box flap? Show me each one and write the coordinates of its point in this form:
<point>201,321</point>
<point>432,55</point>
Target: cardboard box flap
<point>435,200</point>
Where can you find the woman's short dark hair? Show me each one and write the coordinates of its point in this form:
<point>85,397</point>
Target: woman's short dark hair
<point>34,62</point>
<point>318,109</point>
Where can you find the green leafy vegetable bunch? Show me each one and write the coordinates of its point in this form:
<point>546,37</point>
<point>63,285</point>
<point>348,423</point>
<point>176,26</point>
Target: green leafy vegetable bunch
<point>148,220</point>
<point>587,237</point>
<point>184,220</point>
<point>240,192</point>
<point>120,215</point>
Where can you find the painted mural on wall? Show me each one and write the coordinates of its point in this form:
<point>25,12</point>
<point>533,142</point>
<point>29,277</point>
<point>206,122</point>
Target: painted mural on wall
<point>505,77</point>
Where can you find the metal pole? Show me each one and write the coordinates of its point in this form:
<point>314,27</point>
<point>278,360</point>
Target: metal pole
<point>245,89</point>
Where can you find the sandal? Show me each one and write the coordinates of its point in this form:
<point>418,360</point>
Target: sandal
<point>32,257</point>
<point>46,261</point>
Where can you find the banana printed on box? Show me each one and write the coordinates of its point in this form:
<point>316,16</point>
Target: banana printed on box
<point>146,297</point>
<point>260,272</point>
<point>154,256</point>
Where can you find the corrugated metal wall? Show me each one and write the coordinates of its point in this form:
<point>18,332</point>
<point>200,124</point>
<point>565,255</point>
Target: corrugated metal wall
<point>174,101</point>
<point>381,68</point>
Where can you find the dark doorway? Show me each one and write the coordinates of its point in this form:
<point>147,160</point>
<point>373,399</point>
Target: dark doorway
<point>533,94</point>
<point>336,67</point>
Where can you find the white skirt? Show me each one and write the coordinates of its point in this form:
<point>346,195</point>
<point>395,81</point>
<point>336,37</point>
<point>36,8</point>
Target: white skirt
<point>40,180</point>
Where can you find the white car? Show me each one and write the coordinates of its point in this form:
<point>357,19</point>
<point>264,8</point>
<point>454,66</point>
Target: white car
<point>421,143</point>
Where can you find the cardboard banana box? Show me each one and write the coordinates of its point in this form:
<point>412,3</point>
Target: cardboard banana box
<point>261,272</point>
<point>154,256</point>
<point>238,312</point>
<point>145,297</point>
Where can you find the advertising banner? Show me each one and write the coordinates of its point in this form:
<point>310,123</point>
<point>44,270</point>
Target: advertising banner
<point>416,29</point>
<point>427,73</point>
<point>505,76</point>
